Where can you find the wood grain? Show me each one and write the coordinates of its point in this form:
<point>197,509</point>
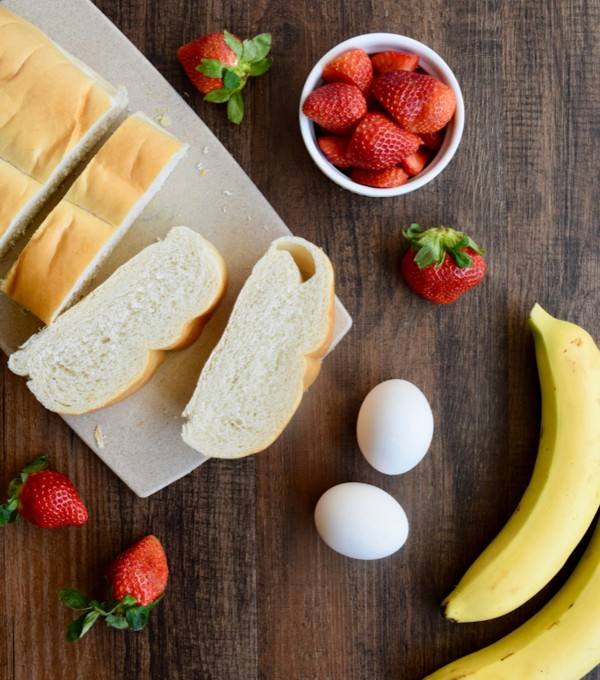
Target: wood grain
<point>254,593</point>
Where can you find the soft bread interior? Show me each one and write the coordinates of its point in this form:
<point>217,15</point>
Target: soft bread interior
<point>97,211</point>
<point>279,329</point>
<point>109,343</point>
<point>53,109</point>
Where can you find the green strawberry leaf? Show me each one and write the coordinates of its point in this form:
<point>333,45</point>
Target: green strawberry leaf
<point>218,96</point>
<point>261,66</point>
<point>8,512</point>
<point>74,599</point>
<point>78,628</point>
<point>431,246</point>
<point>211,68</point>
<point>137,617</point>
<point>257,48</point>
<point>233,43</point>
<point>235,108</point>
<point>231,80</point>
<point>117,621</point>
<point>40,463</point>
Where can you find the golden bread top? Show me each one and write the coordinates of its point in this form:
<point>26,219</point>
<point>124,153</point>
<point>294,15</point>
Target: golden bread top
<point>55,257</point>
<point>16,190</point>
<point>123,169</point>
<point>48,99</point>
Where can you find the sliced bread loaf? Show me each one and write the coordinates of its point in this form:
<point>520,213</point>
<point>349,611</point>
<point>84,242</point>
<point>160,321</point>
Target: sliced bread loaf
<point>270,352</point>
<point>82,230</point>
<point>54,109</point>
<point>110,343</point>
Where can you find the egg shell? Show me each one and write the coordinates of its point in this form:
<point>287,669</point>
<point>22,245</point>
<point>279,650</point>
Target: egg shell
<point>394,428</point>
<point>361,521</point>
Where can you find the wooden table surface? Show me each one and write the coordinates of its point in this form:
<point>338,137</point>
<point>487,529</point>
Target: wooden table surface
<point>253,592</point>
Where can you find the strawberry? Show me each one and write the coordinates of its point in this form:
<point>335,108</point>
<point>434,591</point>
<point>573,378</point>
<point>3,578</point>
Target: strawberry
<point>418,102</point>
<point>390,60</point>
<point>433,140</point>
<point>137,578</point>
<point>337,107</point>
<point>334,148</point>
<point>354,67</point>
<point>378,143</point>
<point>44,497</point>
<point>414,163</point>
<point>219,65</point>
<point>441,263</point>
<point>384,179</point>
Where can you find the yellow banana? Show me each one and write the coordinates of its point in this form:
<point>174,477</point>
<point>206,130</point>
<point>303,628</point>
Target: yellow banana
<point>563,494</point>
<point>560,642</point>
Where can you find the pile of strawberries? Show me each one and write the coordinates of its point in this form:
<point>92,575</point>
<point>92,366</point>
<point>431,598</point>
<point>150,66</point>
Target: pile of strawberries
<point>381,118</point>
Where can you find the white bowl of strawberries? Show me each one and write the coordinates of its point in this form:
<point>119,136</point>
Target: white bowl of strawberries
<point>381,114</point>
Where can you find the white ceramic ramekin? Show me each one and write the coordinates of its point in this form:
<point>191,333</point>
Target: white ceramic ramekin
<point>433,64</point>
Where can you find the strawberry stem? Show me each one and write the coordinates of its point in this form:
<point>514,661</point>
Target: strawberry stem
<point>125,614</point>
<point>431,246</point>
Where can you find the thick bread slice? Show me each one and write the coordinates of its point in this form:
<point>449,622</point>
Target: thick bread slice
<point>270,352</point>
<point>53,109</point>
<point>82,230</point>
<point>111,342</point>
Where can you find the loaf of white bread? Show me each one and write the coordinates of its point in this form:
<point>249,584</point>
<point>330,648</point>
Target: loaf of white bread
<point>110,343</point>
<point>53,110</point>
<point>80,232</point>
<point>270,352</point>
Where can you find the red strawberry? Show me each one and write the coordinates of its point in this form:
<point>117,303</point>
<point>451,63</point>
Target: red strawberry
<point>378,143</point>
<point>334,148</point>
<point>384,179</point>
<point>45,497</point>
<point>337,107</point>
<point>219,65</point>
<point>441,263</point>
<point>433,140</point>
<point>211,46</point>
<point>140,571</point>
<point>416,161</point>
<point>354,67</point>
<point>418,102</point>
<point>390,60</point>
<point>138,579</point>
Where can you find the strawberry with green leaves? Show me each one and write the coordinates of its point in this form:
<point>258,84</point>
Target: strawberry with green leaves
<point>44,497</point>
<point>219,65</point>
<point>137,580</point>
<point>441,263</point>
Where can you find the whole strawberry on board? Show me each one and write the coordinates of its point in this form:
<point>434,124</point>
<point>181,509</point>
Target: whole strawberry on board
<point>219,65</point>
<point>137,580</point>
<point>44,497</point>
<point>441,263</point>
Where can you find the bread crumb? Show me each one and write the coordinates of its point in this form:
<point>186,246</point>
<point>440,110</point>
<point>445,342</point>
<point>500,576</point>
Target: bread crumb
<point>164,119</point>
<point>227,193</point>
<point>99,437</point>
<point>205,149</point>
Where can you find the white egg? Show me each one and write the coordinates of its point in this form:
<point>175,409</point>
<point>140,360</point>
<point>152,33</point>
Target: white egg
<point>361,521</point>
<point>395,426</point>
